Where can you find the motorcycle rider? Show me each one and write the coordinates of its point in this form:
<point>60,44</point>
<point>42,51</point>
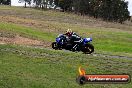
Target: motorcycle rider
<point>73,38</point>
<point>71,41</point>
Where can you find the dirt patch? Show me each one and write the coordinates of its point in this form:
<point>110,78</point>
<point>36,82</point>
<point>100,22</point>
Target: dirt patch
<point>41,25</point>
<point>18,40</point>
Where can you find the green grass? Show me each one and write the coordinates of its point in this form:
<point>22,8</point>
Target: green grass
<point>26,67</point>
<point>42,68</point>
<point>118,42</point>
<point>27,31</point>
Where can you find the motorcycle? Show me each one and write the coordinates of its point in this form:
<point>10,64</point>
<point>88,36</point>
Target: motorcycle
<point>84,44</point>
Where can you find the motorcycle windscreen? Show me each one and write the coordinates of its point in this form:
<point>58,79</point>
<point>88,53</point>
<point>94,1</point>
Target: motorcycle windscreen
<point>86,40</point>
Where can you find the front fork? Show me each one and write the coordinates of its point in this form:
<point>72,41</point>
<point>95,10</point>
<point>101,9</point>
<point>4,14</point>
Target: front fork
<point>76,47</point>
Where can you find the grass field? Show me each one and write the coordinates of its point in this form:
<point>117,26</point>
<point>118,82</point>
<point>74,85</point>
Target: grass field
<point>30,67</point>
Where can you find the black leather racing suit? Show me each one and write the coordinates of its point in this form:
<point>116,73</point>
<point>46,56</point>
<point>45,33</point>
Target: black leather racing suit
<point>74,39</point>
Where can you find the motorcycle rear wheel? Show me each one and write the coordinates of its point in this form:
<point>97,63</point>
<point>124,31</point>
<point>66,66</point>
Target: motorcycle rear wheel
<point>54,45</point>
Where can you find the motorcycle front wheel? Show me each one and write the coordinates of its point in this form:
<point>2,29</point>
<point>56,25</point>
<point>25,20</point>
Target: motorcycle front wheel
<point>88,49</point>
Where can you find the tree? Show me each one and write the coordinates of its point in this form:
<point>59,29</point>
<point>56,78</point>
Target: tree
<point>65,5</point>
<point>5,2</point>
<point>109,10</point>
<point>43,4</point>
<point>27,1</point>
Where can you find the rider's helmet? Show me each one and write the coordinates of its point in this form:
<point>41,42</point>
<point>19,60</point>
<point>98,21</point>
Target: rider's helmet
<point>69,32</point>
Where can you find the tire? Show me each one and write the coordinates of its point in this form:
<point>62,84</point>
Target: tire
<point>54,45</point>
<point>88,49</point>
